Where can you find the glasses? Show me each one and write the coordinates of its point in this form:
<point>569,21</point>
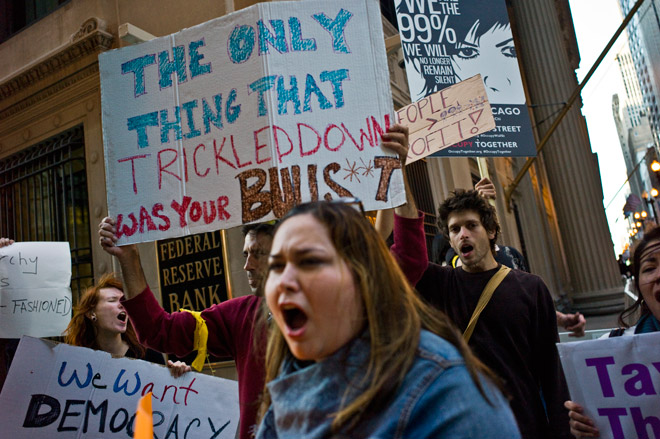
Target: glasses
<point>353,202</point>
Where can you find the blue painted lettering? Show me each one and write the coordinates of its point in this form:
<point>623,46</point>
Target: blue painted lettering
<point>266,38</point>
<point>166,67</point>
<point>74,376</point>
<point>298,43</point>
<point>197,69</point>
<point>290,95</point>
<point>166,125</point>
<point>117,387</point>
<point>241,44</point>
<point>136,66</point>
<point>336,29</point>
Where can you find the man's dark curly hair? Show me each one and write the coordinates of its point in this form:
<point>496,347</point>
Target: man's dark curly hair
<point>461,200</point>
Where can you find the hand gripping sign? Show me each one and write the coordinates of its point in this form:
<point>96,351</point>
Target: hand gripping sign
<point>447,118</point>
<point>617,381</point>
<point>240,118</point>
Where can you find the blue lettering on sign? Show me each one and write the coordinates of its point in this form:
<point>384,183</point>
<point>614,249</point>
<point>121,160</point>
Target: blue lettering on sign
<point>209,117</point>
<point>188,108</point>
<point>166,125</point>
<point>197,69</point>
<point>241,44</point>
<point>336,77</point>
<point>74,376</point>
<point>266,38</point>
<point>232,111</point>
<point>261,86</point>
<point>136,66</point>
<point>140,124</point>
<point>166,67</point>
<point>117,387</point>
<point>290,95</point>
<point>336,29</point>
<point>298,43</point>
<point>311,87</point>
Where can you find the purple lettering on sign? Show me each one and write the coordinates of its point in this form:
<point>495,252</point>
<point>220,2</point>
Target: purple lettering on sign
<point>642,423</point>
<point>601,364</point>
<point>613,416</point>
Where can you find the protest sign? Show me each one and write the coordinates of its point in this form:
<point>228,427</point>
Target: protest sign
<point>35,293</point>
<point>617,381</point>
<point>446,117</point>
<point>60,391</point>
<point>238,119</point>
<point>191,271</point>
<point>447,41</point>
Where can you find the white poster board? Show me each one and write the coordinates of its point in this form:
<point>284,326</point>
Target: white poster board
<point>617,381</point>
<point>240,118</point>
<point>60,391</point>
<point>35,293</point>
<point>446,118</point>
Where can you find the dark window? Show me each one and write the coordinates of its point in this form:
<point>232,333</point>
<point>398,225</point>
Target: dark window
<point>16,15</point>
<point>43,197</point>
<point>389,12</point>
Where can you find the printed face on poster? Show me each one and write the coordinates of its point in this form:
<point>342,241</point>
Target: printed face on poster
<point>617,381</point>
<point>240,118</point>
<point>35,293</point>
<point>447,41</point>
<point>61,391</point>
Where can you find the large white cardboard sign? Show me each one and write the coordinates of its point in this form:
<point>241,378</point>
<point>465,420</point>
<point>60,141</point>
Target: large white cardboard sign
<point>238,119</point>
<point>446,118</point>
<point>617,381</point>
<point>35,293</point>
<point>59,391</point>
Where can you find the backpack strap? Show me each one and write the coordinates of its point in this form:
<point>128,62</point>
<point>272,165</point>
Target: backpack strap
<point>486,294</point>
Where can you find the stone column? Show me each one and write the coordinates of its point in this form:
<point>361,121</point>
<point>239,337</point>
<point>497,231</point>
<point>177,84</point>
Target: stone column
<point>545,34</point>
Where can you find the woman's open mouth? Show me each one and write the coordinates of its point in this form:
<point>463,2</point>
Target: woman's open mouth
<point>122,316</point>
<point>294,318</point>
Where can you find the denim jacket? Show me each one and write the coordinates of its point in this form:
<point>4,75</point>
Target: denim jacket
<point>437,399</point>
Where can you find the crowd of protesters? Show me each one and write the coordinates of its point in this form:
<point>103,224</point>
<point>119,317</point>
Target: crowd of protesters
<point>343,337</point>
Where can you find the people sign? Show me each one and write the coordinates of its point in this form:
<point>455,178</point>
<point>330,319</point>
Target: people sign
<point>617,381</point>
<point>240,118</point>
<point>446,117</point>
<point>35,293</point>
<point>61,391</point>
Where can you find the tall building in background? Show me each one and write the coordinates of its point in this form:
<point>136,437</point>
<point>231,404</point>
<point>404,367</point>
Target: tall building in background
<point>633,127</point>
<point>644,42</point>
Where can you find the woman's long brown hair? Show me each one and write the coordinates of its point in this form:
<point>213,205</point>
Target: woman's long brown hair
<point>394,315</point>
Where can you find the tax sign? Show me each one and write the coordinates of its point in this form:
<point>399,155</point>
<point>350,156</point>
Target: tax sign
<point>60,391</point>
<point>241,118</point>
<point>617,381</point>
<point>446,118</point>
<point>35,293</point>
